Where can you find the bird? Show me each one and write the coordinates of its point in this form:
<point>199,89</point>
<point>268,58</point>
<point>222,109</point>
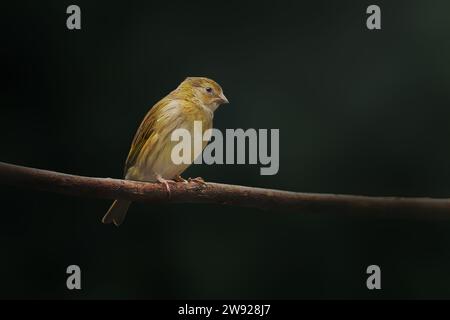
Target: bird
<point>149,158</point>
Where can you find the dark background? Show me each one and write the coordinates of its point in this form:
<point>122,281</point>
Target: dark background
<point>359,111</point>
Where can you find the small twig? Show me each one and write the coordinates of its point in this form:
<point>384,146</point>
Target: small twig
<point>217,193</point>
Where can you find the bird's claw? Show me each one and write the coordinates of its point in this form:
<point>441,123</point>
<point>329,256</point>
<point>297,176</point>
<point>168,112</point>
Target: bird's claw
<point>198,180</point>
<point>165,182</point>
<point>180,179</point>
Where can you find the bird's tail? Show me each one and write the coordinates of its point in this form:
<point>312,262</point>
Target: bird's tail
<point>117,212</point>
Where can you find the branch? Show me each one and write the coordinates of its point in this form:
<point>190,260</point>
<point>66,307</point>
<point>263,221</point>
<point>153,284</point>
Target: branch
<point>217,193</point>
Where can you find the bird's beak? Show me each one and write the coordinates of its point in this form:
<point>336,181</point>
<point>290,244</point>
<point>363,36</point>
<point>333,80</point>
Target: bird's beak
<point>223,99</point>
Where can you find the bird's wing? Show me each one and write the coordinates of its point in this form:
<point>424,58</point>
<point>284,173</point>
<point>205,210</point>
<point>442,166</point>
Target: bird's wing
<point>163,114</point>
<point>145,131</point>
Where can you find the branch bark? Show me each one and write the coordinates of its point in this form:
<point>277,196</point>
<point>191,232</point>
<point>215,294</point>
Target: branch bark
<point>224,194</point>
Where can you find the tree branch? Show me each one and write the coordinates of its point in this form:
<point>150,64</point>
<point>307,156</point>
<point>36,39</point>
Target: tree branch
<point>217,193</point>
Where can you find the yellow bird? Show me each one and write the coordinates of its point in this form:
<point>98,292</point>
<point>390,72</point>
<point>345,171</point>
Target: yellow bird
<point>149,159</point>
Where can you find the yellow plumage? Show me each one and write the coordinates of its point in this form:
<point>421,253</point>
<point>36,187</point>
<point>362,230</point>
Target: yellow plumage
<point>149,159</point>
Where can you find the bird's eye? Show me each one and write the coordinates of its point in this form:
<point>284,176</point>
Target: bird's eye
<point>209,89</point>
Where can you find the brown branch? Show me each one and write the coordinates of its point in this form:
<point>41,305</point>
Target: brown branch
<point>217,193</point>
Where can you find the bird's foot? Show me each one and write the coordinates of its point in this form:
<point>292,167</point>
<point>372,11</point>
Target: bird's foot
<point>179,178</point>
<point>198,180</point>
<point>165,182</point>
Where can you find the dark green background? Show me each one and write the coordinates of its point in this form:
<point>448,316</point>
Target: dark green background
<point>359,111</point>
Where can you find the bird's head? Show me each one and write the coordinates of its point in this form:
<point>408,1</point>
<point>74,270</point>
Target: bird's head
<point>205,91</point>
